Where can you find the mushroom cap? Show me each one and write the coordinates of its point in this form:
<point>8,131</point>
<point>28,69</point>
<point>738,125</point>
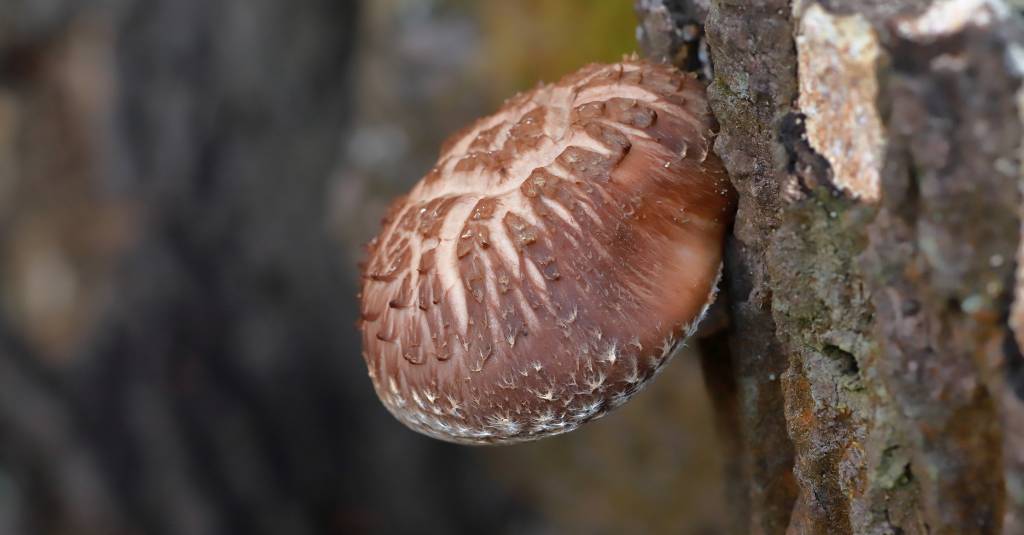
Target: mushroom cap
<point>552,259</point>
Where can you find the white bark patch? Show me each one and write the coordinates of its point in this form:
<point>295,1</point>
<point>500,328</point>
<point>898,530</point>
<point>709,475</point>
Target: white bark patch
<point>948,17</point>
<point>838,89</point>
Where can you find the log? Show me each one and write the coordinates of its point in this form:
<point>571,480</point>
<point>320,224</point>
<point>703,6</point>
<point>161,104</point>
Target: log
<point>873,380</point>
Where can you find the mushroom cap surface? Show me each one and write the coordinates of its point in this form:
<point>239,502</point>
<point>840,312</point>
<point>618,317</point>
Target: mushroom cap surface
<point>552,259</point>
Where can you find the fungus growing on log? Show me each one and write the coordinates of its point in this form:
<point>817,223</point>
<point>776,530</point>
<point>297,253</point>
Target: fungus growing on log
<point>551,261</point>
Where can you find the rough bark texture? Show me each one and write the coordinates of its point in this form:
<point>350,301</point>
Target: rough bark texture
<point>873,382</point>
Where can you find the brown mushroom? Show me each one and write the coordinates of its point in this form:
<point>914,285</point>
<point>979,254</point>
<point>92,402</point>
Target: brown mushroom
<point>551,261</point>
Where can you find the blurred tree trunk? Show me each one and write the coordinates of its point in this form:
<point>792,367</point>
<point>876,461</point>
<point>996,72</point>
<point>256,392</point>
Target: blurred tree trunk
<point>177,343</point>
<point>871,381</point>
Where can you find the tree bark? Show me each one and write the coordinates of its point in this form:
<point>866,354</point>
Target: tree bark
<point>874,381</point>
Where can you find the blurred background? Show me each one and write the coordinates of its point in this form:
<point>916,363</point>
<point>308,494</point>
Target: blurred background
<point>185,188</point>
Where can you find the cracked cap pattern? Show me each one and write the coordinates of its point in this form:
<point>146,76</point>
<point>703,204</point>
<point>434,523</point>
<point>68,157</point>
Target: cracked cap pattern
<point>552,259</point>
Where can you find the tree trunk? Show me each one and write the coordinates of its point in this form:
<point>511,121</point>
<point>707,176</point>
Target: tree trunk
<point>871,380</point>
